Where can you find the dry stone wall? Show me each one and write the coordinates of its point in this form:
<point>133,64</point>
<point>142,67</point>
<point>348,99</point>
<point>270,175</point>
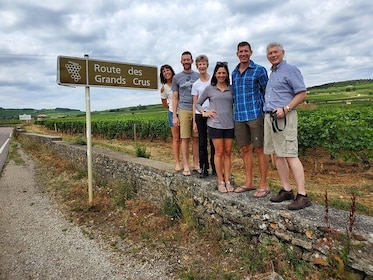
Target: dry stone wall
<point>237,214</point>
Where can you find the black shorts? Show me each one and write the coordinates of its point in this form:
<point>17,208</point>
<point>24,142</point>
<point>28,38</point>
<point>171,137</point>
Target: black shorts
<point>218,133</point>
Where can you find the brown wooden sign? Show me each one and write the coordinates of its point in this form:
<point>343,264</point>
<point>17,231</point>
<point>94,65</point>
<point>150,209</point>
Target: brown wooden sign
<point>76,71</point>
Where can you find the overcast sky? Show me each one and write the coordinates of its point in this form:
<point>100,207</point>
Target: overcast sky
<point>329,40</point>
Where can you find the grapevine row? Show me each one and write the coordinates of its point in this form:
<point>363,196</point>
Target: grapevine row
<point>345,131</point>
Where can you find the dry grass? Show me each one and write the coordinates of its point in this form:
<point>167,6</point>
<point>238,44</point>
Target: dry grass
<point>136,227</point>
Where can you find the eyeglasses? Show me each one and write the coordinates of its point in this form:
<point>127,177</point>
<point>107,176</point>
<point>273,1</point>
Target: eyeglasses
<point>221,63</point>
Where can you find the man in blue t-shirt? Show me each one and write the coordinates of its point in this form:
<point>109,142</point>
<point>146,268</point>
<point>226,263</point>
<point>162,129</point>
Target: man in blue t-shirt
<point>249,81</point>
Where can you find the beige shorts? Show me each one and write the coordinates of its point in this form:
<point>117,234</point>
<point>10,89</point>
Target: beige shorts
<point>186,124</point>
<point>282,143</point>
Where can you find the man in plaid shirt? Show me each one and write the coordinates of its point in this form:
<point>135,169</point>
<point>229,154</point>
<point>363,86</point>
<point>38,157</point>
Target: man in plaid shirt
<point>249,81</point>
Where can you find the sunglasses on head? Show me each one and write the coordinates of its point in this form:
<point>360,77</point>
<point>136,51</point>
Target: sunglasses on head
<point>221,63</point>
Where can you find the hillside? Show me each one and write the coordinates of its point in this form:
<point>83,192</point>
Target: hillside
<point>337,91</point>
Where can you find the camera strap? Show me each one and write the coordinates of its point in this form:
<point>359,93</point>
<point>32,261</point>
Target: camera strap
<point>274,122</point>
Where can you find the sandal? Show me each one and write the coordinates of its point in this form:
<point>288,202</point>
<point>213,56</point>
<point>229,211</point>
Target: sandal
<point>178,168</point>
<point>198,171</point>
<point>222,188</point>
<point>244,189</point>
<point>186,173</point>
<point>262,192</point>
<point>229,187</point>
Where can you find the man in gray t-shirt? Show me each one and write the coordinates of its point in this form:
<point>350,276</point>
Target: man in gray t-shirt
<point>182,105</point>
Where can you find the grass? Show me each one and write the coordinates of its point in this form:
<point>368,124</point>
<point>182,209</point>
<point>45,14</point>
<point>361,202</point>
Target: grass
<point>172,233</point>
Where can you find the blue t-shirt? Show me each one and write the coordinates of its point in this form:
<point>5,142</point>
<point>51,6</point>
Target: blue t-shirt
<point>285,81</point>
<point>248,92</point>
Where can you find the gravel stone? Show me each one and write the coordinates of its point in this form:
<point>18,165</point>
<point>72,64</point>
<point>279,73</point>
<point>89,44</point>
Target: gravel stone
<point>37,242</point>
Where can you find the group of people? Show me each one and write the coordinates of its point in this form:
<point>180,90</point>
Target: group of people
<point>257,110</point>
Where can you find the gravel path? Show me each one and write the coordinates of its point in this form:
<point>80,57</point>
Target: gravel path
<point>36,242</point>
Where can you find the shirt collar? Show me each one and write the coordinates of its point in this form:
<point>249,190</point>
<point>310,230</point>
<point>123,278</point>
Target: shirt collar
<point>275,68</point>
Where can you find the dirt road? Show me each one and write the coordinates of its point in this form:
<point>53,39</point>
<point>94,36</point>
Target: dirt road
<point>36,241</point>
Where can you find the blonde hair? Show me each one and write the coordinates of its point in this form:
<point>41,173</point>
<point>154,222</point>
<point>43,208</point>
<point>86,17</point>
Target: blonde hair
<point>202,57</point>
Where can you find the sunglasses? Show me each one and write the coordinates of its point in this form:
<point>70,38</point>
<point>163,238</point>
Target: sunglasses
<point>221,63</point>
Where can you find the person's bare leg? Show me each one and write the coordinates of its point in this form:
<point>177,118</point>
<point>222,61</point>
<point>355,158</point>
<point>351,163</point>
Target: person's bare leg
<point>218,158</point>
<point>283,172</point>
<point>263,161</point>
<point>247,156</point>
<point>195,150</point>
<point>296,167</point>
<point>185,153</point>
<point>176,146</point>
<point>227,159</point>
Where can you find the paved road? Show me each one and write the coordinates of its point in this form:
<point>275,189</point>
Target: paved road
<point>5,135</point>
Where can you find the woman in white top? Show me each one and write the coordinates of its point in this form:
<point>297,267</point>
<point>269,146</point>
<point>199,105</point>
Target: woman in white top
<point>166,75</point>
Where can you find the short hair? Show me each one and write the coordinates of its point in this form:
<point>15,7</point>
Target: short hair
<point>187,53</point>
<point>274,44</point>
<point>214,80</point>
<point>242,44</point>
<point>162,78</point>
<point>202,57</point>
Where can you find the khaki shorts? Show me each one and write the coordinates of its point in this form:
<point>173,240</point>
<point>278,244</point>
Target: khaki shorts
<point>282,143</point>
<point>186,124</point>
<point>250,132</point>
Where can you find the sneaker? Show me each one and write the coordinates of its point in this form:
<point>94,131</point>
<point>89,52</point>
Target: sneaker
<point>282,196</point>
<point>204,174</point>
<point>300,202</point>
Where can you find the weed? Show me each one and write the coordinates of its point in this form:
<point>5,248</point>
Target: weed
<point>339,245</point>
<point>80,141</point>
<point>122,191</point>
<point>141,152</point>
<point>171,208</point>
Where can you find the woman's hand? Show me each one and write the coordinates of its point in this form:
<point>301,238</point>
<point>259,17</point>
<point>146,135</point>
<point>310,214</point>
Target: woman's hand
<point>210,114</point>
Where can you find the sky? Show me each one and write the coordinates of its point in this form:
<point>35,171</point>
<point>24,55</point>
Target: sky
<point>329,41</point>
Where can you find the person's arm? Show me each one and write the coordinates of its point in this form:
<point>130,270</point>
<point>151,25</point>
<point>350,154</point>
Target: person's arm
<point>195,97</point>
<point>164,97</point>
<point>263,80</point>
<point>298,99</point>
<point>202,100</point>
<point>175,104</point>
<point>164,103</point>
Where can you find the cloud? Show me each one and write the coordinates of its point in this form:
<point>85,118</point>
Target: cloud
<point>329,41</point>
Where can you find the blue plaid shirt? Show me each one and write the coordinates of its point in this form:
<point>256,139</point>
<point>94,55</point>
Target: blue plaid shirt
<point>248,92</point>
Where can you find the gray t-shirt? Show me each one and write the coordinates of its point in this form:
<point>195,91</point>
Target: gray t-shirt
<point>222,103</point>
<point>182,83</point>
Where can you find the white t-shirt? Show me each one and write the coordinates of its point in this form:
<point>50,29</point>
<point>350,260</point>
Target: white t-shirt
<point>197,88</point>
<point>167,94</point>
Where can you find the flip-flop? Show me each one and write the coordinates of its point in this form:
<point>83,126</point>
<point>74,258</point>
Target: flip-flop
<point>229,187</point>
<point>263,192</point>
<point>186,173</point>
<point>244,189</point>
<point>178,169</point>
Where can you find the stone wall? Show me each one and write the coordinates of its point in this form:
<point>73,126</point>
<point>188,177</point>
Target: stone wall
<point>239,214</point>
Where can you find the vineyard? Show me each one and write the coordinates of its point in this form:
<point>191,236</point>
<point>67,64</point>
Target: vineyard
<point>344,130</point>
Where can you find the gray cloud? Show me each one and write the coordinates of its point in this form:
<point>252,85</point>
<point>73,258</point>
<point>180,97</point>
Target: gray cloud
<point>329,41</point>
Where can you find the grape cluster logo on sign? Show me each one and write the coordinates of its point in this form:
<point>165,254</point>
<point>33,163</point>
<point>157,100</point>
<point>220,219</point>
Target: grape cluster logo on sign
<point>74,68</point>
